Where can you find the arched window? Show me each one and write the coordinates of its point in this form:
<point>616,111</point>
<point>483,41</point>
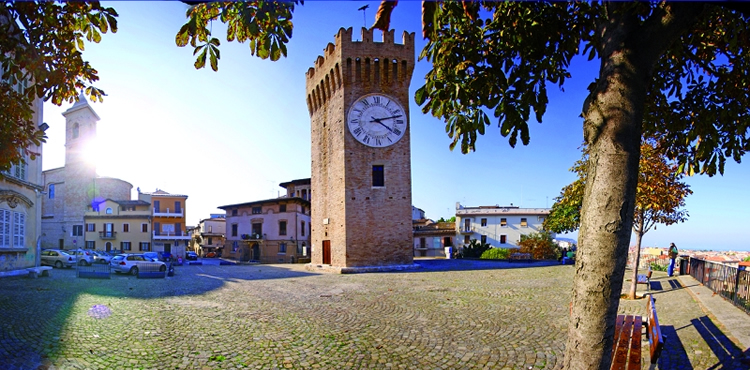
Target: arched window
<point>51,191</point>
<point>75,130</point>
<point>108,211</point>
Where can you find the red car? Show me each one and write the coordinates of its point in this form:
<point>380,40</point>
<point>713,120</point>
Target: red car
<point>210,255</point>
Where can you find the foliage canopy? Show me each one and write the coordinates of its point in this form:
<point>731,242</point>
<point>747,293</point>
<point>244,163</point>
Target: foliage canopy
<point>41,46</point>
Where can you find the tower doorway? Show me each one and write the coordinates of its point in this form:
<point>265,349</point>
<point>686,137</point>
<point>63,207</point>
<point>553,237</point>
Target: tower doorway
<point>326,252</point>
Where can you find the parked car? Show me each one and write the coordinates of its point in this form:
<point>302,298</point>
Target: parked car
<point>129,263</point>
<point>159,256</point>
<point>102,257</point>
<point>83,256</point>
<point>57,258</point>
<point>191,256</point>
<point>210,255</point>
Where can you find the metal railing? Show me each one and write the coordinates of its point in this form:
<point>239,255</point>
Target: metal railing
<point>732,283</point>
<point>171,233</point>
<point>107,234</point>
<point>647,260</point>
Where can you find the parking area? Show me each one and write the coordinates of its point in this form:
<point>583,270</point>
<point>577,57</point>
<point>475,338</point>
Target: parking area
<point>449,314</point>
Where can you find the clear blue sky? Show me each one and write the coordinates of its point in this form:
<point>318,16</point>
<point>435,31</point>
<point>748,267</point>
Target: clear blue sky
<point>232,136</point>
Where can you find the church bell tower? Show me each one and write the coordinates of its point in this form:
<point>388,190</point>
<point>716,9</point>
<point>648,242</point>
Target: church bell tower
<point>358,100</point>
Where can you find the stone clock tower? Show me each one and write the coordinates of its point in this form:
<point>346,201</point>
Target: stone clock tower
<point>358,99</point>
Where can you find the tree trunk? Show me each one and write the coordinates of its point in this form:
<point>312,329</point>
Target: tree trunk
<point>613,113</point>
<point>612,128</point>
<point>638,238</point>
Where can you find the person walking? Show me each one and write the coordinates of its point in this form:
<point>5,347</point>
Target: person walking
<point>672,257</point>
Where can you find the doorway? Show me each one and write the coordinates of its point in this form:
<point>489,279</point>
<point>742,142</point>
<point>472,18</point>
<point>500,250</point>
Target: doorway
<point>108,246</point>
<point>256,252</point>
<point>167,248</point>
<point>326,252</point>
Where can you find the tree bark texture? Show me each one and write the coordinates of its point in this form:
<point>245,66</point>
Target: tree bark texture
<point>613,115</point>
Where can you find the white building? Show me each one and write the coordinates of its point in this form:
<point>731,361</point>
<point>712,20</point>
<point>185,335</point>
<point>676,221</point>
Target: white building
<point>499,226</point>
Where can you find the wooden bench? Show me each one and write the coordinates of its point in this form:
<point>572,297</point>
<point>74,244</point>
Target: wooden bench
<point>626,351</point>
<point>644,279</point>
<point>519,257</point>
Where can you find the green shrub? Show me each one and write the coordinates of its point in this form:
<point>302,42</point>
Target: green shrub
<point>496,254</point>
<point>473,250</point>
<point>657,267</point>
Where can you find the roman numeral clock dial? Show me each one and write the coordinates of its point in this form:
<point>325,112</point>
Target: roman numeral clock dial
<point>377,120</point>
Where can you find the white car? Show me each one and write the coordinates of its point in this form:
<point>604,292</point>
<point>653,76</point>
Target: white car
<point>131,263</point>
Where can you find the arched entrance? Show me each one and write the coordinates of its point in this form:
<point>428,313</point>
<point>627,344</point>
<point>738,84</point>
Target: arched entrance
<point>108,246</point>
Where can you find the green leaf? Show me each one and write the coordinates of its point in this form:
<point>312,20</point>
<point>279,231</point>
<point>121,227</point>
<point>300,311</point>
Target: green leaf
<point>200,62</point>
<point>182,37</point>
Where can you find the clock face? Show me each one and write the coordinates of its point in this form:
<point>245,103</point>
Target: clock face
<point>377,120</point>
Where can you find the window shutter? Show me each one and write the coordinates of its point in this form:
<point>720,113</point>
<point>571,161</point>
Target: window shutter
<point>4,228</point>
<point>19,226</point>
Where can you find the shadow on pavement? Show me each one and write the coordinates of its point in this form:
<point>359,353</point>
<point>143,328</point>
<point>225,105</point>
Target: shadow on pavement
<point>730,356</point>
<point>674,355</point>
<point>470,264</point>
<point>53,301</point>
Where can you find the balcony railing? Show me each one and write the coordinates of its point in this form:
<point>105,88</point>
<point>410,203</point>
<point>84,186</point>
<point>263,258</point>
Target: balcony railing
<point>255,236</point>
<point>107,235</point>
<point>171,235</point>
<point>167,212</point>
<point>732,283</point>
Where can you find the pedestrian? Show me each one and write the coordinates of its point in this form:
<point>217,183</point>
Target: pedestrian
<point>672,257</point>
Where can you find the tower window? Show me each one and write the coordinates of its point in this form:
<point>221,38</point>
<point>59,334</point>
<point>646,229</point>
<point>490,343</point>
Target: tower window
<point>51,191</point>
<point>378,176</point>
<point>75,130</point>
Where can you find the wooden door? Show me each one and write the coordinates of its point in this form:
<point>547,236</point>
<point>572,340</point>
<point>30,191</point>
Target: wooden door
<point>326,252</point>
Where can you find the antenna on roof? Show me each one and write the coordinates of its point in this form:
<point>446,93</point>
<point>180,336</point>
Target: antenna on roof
<point>364,13</point>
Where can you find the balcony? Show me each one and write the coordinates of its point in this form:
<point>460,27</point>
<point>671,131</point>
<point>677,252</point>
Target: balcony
<point>467,230</point>
<point>107,235</point>
<point>167,235</point>
<point>158,212</point>
<point>252,237</point>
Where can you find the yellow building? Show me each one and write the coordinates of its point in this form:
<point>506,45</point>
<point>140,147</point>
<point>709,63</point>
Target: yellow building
<point>119,226</point>
<point>168,212</point>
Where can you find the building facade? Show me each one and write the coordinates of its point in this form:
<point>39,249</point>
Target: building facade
<point>431,238</point>
<point>168,213</point>
<point>358,101</point>
<point>212,233</point>
<point>498,226</point>
<point>21,194</point>
<point>268,231</point>
<point>121,226</point>
<point>74,189</point>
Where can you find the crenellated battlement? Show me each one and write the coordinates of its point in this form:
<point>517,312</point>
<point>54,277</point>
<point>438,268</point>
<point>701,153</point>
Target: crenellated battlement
<point>365,63</point>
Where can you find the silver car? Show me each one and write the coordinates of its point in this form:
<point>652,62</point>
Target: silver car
<point>102,257</point>
<point>129,263</point>
<point>85,257</point>
<point>57,258</point>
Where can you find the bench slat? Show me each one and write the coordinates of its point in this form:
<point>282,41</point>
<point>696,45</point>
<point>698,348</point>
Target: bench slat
<point>627,345</point>
<point>634,362</point>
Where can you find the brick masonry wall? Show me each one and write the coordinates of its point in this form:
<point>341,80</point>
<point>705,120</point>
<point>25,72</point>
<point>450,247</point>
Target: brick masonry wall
<point>367,226</point>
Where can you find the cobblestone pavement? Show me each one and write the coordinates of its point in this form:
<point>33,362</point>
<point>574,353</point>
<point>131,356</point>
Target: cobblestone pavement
<point>448,315</point>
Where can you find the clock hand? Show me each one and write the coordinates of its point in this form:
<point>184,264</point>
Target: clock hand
<point>381,123</point>
<point>396,116</point>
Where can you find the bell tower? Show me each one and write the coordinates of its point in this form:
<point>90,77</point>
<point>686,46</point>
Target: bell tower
<point>358,100</point>
<point>80,168</point>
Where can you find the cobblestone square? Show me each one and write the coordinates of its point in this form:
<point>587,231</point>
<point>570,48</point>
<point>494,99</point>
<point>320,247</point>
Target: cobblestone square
<point>451,314</point>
